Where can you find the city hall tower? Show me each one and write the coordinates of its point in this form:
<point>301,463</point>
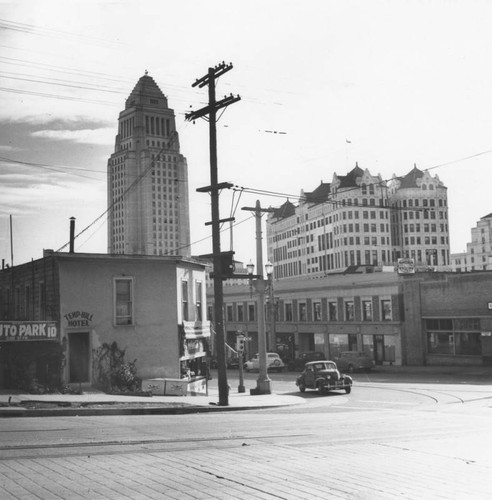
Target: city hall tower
<point>148,206</point>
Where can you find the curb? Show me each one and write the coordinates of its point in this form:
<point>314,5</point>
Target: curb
<point>8,412</point>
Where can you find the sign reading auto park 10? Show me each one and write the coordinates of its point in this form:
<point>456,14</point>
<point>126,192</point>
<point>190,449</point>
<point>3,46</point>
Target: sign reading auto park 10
<point>28,330</point>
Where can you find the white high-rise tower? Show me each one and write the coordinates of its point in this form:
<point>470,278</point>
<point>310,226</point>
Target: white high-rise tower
<point>148,179</point>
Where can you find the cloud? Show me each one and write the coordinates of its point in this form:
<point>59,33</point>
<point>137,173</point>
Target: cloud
<point>99,136</point>
<point>77,129</point>
<point>9,149</point>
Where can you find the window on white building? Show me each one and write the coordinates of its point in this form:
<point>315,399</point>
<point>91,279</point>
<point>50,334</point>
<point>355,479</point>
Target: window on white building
<point>123,301</point>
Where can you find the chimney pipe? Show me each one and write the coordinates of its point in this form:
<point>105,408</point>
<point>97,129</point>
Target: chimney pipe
<point>72,233</point>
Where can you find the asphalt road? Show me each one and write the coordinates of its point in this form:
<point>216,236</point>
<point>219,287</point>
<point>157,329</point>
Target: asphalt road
<point>400,439</point>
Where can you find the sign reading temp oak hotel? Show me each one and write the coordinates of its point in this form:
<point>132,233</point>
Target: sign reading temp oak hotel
<point>28,330</point>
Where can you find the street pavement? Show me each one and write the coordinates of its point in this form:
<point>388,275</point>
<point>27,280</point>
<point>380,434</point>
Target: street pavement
<point>434,452</point>
<point>93,402</point>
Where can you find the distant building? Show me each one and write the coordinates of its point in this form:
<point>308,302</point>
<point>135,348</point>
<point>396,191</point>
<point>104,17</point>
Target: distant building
<point>418,319</point>
<point>361,221</point>
<point>148,209</point>
<point>420,226</point>
<point>478,255</point>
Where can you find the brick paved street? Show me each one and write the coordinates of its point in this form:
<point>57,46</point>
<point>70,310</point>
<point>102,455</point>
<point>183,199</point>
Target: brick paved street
<point>405,440</point>
<point>453,465</point>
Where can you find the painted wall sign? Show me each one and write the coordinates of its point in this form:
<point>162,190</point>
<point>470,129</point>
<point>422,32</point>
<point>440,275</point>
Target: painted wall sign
<point>28,330</point>
<point>77,319</point>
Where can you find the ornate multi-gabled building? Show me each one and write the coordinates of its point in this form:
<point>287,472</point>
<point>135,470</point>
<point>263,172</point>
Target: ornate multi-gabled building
<point>478,255</point>
<point>360,220</point>
<point>148,179</point>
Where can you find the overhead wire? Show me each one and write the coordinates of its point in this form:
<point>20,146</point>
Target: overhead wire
<point>382,183</point>
<point>129,189</point>
<point>52,168</point>
<point>43,31</point>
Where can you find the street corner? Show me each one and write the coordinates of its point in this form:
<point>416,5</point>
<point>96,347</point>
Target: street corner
<point>248,400</point>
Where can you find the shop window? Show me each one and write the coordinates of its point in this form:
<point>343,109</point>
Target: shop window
<point>386,311</point>
<point>123,301</point>
<point>468,344</point>
<point>454,337</point>
<point>184,300</point>
<point>302,311</point>
<point>349,310</point>
<point>210,313</point>
<point>332,311</point>
<point>288,312</point>
<point>317,311</point>
<point>367,310</point>
<point>337,344</point>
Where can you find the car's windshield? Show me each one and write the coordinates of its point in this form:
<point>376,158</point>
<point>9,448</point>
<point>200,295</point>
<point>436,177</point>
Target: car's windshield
<point>325,366</point>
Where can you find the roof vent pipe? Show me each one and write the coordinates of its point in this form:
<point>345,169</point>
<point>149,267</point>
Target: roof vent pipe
<point>72,233</point>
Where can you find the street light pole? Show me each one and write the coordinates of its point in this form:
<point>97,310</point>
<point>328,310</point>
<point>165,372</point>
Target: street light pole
<point>263,384</point>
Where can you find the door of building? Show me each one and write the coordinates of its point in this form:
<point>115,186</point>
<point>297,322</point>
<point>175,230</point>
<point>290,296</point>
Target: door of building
<point>379,349</point>
<point>79,357</point>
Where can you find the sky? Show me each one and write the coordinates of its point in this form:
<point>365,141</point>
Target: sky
<point>323,84</point>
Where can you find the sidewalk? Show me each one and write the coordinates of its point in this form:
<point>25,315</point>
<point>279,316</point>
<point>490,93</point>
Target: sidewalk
<point>94,402</point>
<point>99,403</point>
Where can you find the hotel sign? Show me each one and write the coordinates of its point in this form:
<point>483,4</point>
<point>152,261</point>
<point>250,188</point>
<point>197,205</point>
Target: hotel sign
<point>78,319</point>
<point>28,330</point>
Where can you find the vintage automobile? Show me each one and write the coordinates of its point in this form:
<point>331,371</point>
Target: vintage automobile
<point>303,358</point>
<point>352,361</point>
<point>232,362</point>
<point>323,376</point>
<point>274,362</point>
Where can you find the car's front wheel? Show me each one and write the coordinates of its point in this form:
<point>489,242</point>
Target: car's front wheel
<point>348,389</point>
<point>302,387</point>
<point>321,389</point>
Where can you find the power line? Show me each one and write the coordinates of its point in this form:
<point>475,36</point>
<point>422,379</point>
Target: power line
<point>32,29</point>
<point>382,183</point>
<point>54,168</point>
<point>56,96</point>
<point>130,188</point>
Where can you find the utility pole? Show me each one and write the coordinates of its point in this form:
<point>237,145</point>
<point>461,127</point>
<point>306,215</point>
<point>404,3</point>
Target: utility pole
<point>214,188</point>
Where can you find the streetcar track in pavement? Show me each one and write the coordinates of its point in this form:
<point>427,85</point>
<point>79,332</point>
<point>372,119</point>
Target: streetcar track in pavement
<point>140,442</point>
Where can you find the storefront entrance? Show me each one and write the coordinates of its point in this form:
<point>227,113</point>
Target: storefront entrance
<point>79,357</point>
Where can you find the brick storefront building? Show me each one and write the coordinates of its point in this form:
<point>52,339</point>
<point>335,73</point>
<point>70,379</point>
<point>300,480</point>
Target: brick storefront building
<point>425,318</point>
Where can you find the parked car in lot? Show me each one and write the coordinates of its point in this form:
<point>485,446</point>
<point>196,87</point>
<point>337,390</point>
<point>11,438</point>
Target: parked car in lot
<point>352,361</point>
<point>324,377</point>
<point>303,358</point>
<point>274,362</point>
